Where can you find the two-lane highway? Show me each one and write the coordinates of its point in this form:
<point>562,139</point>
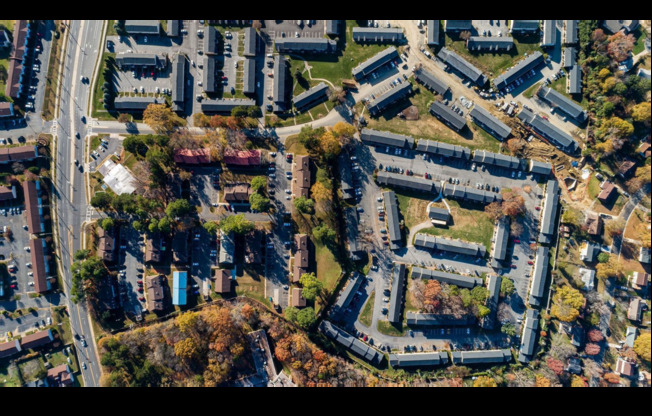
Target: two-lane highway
<point>82,49</point>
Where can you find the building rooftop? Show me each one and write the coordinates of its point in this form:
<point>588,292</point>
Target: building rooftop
<point>524,26</point>
<point>539,276</point>
<point>413,183</point>
<point>305,45</point>
<point>375,62</point>
<point>126,103</point>
<point>250,42</point>
<point>540,168</point>
<point>529,335</point>
<point>491,43</point>
<point>549,33</point>
<point>462,65</point>
<point>385,138</point>
<point>399,275</point>
<point>449,278</point>
<point>179,287</point>
<point>447,116</point>
<point>307,98</point>
<point>433,32</point>
<point>421,359</point>
<point>429,80</point>
<point>570,31</point>
<point>562,103</point>
<point>443,149</point>
<point>432,319</point>
<point>521,68</point>
<point>393,225</point>
<point>377,34</point>
<point>491,124</point>
<point>222,281</point>
<point>388,98</point>
<point>142,27</point>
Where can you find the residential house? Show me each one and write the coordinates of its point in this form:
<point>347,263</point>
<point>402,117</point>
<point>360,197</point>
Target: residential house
<point>350,342</point>
<point>456,26</point>
<point>179,82</point>
<point>242,158</point>
<point>9,348</point>
<point>562,103</point>
<point>634,310</point>
<point>282,85</point>
<point>447,116</point>
<point>431,82</point>
<point>225,105</point>
<point>301,177</point>
<point>139,61</point>
<point>143,27</point>
<point>253,250</point>
<point>421,359</point>
<point>385,138</point>
<point>134,104</point>
<point>6,109</point>
<point>413,183</point>
<point>540,168</point>
<point>499,159</point>
<point>301,261</point>
<point>437,319</point>
<point>549,33</point>
<point>432,38</point>
<point>393,224</point>
<point>311,97</point>
<point>37,339</point>
<point>237,193</point>
<point>539,277</point>
<point>192,156</point>
<point>378,34</point>
<point>105,244</point>
<point>227,250</point>
<point>587,276</point>
<point>249,77</point>
<point>630,336</point>
<point>644,149</point>
<point>399,276</point>
<point>593,224</point>
<point>33,207</point>
<point>250,42</point>
<point>443,149</point>
<point>608,191</point>
<point>640,280</point>
<point>155,293</point>
<point>500,240</point>
<point>493,286</point>
<point>305,45</point>
<point>574,366</point>
<point>625,368</point>
<point>347,294</point>
<point>461,65</point>
<point>574,80</point>
<point>615,26</point>
<point>438,216</point>
<point>569,57</point>
<point>179,288</point>
<point>550,209</point>
<point>174,28</point>
<point>644,255</point>
<point>60,376</point>
<point>627,169</point>
<point>589,251</point>
<point>481,357</point>
<point>491,124</point>
<point>297,300</point>
<point>522,68</point>
<point>374,63</point>
<point>524,26</point>
<point>388,98</point>
<point>16,81</point>
<point>222,281</point>
<point>490,44</point>
<point>211,41</point>
<point>153,249</point>
<point>570,33</point>
<point>444,277</point>
<point>528,338</point>
<point>464,248</point>
<point>180,247</point>
<point>40,265</point>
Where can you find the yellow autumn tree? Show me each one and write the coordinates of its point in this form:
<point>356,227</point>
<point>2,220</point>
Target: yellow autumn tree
<point>612,268</point>
<point>566,304</point>
<point>330,145</point>
<point>161,118</point>
<point>186,322</point>
<point>343,129</point>
<point>642,346</point>
<point>577,381</point>
<point>542,381</point>
<point>186,348</point>
<point>320,193</point>
<point>641,112</point>
<point>484,381</point>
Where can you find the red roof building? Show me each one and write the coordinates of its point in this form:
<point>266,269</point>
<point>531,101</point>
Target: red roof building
<point>18,154</point>
<point>624,368</point>
<point>298,301</point>
<point>7,193</point>
<point>37,339</point>
<point>608,190</point>
<point>39,265</point>
<point>223,281</point>
<point>192,156</point>
<point>242,157</point>
<point>644,149</point>
<point>627,169</point>
<point>9,348</point>
<point>6,109</point>
<point>60,376</point>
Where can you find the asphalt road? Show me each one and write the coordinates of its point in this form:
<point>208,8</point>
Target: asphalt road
<point>82,50</point>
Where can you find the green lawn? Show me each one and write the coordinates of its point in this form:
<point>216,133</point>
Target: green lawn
<point>494,63</point>
<point>427,126</point>
<point>9,376</point>
<point>328,270</point>
<point>335,67</point>
<point>593,187</point>
<point>385,327</point>
<point>412,205</point>
<point>639,45</point>
<point>471,225</point>
<point>4,59</point>
<point>98,108</point>
<point>367,311</point>
<point>530,91</point>
<point>293,146</point>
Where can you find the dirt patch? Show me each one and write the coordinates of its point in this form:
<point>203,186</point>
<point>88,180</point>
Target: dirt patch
<point>411,113</point>
<point>416,212</point>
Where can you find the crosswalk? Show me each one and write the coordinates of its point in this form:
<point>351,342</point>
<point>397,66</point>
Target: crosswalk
<point>54,127</point>
<point>90,212</point>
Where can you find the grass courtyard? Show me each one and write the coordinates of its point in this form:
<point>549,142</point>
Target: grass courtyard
<point>471,225</point>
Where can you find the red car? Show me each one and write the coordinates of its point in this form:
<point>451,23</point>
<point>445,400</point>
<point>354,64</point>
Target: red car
<point>537,208</point>
<point>531,263</point>
<point>366,338</point>
<point>223,77</point>
<point>152,73</point>
<point>544,117</point>
<point>140,290</point>
<point>142,299</point>
<point>513,266</point>
<point>517,241</point>
<point>13,286</point>
<point>140,282</point>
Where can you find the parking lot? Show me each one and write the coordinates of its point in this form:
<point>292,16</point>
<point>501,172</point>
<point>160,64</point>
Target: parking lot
<point>490,28</point>
<point>289,28</point>
<point>130,252</point>
<point>13,251</point>
<point>203,258</point>
<point>111,145</point>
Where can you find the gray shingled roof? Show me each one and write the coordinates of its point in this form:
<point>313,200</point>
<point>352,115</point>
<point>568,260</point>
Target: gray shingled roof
<point>439,214</point>
<point>460,64</point>
<point>457,25</point>
<point>348,292</point>
<point>491,43</point>
<point>592,251</point>
<point>521,68</point>
<point>540,168</point>
<point>433,32</point>
<point>445,244</point>
<point>333,27</point>
<point>569,56</point>
<point>386,138</point>
<point>396,297</point>
<point>225,105</point>
<point>350,342</point>
<point>227,248</point>
<point>443,149</point>
<point>562,102</point>
<point>250,39</point>
<point>524,26</point>
<point>432,319</point>
<point>209,82</point>
<point>391,207</point>
<point>491,124</point>
<point>575,80</point>
<point>389,97</point>
<point>431,82</point>
<point>481,357</point>
<point>377,34</point>
<point>471,194</point>
<point>529,335</point>
<point>549,33</point>
<point>249,76</point>
<point>137,59</point>
<point>421,359</point>
<point>133,103</point>
<point>282,83</point>
<point>413,183</point>
<point>549,131</point>
<point>447,116</point>
<point>549,218</point>
<point>537,289</point>
<point>501,239</point>
<point>210,41</point>
<point>498,159</point>
<point>173,28</point>
<point>306,45</point>
<point>375,62</point>
<point>142,27</point>
<point>449,278</point>
<point>493,286</point>
<point>179,80</point>
<point>571,31</point>
<point>311,96</point>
